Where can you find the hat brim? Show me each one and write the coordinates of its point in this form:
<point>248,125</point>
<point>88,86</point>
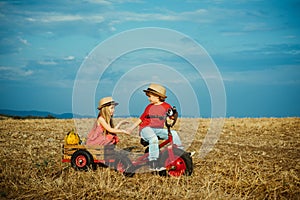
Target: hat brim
<point>108,104</point>
<point>149,90</point>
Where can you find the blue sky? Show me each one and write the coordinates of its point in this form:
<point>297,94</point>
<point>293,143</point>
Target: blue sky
<point>254,44</point>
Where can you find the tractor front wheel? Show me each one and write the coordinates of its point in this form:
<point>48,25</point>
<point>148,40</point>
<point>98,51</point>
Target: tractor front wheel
<point>181,165</point>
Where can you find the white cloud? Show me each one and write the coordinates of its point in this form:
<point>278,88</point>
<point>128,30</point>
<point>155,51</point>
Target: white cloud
<point>290,36</point>
<point>54,17</point>
<point>23,41</point>
<point>61,18</point>
<point>69,58</point>
<point>112,28</point>
<point>48,62</point>
<point>14,73</point>
<point>255,27</point>
<point>95,18</point>
<point>117,17</point>
<point>165,15</point>
<point>229,33</point>
<point>293,52</point>
<point>110,2</point>
<point>281,75</point>
<point>102,2</point>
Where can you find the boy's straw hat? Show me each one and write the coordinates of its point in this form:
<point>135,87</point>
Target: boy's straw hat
<point>106,101</point>
<point>156,89</point>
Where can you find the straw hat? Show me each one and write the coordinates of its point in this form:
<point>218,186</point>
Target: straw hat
<point>106,101</point>
<point>157,90</point>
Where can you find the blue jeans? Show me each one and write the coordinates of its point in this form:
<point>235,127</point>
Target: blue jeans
<point>150,135</point>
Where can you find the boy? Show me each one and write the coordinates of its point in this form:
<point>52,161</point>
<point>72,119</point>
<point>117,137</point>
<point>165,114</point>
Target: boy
<point>151,123</point>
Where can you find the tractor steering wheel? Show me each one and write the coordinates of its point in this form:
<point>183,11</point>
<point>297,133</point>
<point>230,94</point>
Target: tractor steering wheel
<point>172,116</point>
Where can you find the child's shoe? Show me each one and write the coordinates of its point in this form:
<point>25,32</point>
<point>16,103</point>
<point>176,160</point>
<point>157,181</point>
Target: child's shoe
<point>192,153</point>
<point>154,166</point>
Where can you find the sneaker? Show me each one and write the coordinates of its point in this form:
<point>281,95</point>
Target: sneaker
<point>192,153</point>
<point>154,166</point>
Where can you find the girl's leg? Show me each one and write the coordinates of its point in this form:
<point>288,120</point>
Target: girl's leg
<point>148,134</point>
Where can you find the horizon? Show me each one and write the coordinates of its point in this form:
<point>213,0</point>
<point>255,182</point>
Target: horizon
<point>227,59</point>
<point>116,116</point>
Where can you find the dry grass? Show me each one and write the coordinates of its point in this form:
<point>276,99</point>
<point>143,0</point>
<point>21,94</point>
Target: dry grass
<point>253,159</point>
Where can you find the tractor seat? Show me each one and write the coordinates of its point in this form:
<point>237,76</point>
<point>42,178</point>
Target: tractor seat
<point>145,143</point>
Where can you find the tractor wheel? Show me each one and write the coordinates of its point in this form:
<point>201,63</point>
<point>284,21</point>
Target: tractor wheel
<point>182,165</point>
<point>123,164</point>
<point>81,160</point>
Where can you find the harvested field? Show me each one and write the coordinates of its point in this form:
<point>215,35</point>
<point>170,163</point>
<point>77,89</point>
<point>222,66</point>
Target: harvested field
<point>254,158</point>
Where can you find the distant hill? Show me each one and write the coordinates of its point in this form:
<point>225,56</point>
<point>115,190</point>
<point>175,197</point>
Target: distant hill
<point>40,114</point>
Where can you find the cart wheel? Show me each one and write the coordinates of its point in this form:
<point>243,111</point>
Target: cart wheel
<point>123,164</point>
<point>81,160</point>
<point>182,165</point>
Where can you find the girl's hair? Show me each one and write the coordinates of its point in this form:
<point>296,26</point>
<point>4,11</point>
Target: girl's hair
<point>104,112</point>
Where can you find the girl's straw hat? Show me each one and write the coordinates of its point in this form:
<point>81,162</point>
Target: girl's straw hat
<point>157,90</point>
<point>106,101</point>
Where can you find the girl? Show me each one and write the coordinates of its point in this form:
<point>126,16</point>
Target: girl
<point>104,132</point>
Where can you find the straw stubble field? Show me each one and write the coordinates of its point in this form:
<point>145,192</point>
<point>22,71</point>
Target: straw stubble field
<point>254,158</point>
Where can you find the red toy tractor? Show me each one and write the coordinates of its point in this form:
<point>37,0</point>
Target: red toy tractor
<point>175,161</point>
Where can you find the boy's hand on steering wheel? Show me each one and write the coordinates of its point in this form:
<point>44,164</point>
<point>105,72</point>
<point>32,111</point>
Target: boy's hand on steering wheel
<point>171,117</point>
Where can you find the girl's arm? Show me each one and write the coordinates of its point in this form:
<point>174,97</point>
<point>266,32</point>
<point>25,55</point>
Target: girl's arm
<point>121,123</point>
<point>107,127</point>
<point>134,125</point>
